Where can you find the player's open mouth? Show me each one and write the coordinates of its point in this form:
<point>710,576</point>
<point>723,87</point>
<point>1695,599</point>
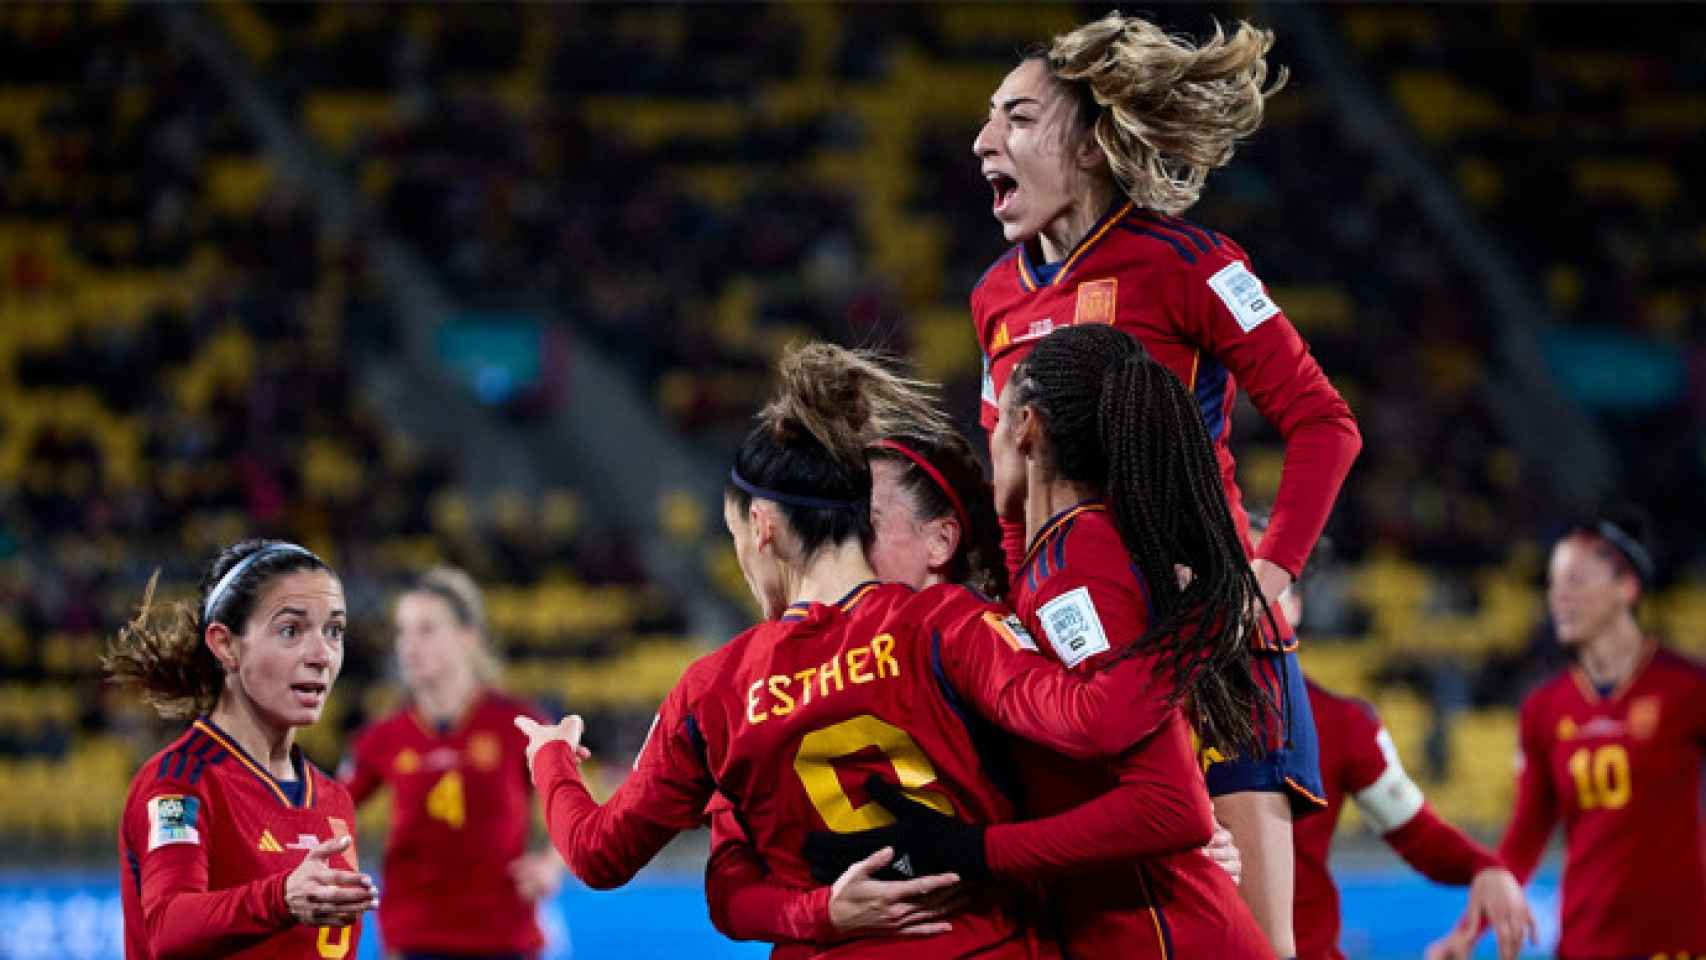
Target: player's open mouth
<point>309,694</point>
<point>1005,187</point>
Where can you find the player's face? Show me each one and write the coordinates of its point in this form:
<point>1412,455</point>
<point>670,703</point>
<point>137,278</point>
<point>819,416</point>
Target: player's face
<point>905,544</point>
<point>758,565</point>
<point>431,644</point>
<point>1029,154</point>
<point>1007,455</point>
<point>292,647</point>
<point>1584,591</point>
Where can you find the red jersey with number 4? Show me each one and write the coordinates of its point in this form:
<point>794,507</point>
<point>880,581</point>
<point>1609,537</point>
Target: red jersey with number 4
<point>207,840</point>
<point>461,808</point>
<point>789,719</point>
<point>1079,595</point>
<point>1622,770</point>
<point>1188,295</point>
<point>1360,761</point>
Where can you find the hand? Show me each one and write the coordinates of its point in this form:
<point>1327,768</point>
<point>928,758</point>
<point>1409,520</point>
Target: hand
<point>924,840</point>
<point>1224,853</point>
<point>861,905</point>
<point>537,875</point>
<point>568,730</point>
<point>1496,901</point>
<point>1271,577</point>
<point>320,896</point>
<point>1459,944</point>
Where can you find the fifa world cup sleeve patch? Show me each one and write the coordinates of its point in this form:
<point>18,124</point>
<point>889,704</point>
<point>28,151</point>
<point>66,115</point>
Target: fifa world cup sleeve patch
<point>1011,631</point>
<point>1243,295</point>
<point>1072,626</point>
<point>171,819</point>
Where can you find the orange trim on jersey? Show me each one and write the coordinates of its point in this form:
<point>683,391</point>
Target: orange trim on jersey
<point>800,609</point>
<point>859,593</point>
<point>1090,241</point>
<point>1049,529</point>
<point>307,775</point>
<point>1589,691</point>
<point>1191,384</point>
<point>1025,279</point>
<point>1154,916</point>
<point>1312,798</point>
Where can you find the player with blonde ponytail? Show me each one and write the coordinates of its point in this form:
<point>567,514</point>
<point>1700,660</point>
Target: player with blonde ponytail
<point>1094,145</point>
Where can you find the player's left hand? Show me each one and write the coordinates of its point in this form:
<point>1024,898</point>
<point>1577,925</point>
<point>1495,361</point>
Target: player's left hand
<point>1496,901</point>
<point>537,875</point>
<point>925,841</point>
<point>569,730</point>
<point>1224,853</point>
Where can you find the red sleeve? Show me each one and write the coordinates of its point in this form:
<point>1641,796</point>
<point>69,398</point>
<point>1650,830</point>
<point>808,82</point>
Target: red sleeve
<point>993,663</point>
<point>359,773</point>
<point>1271,362</point>
<point>606,844</point>
<point>1536,805</point>
<point>1438,850</point>
<point>745,900</point>
<point>1159,807</point>
<point>1356,726</point>
<point>184,918</point>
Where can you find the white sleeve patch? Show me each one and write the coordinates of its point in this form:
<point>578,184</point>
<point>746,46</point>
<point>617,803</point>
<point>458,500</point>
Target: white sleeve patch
<point>171,819</point>
<point>1072,626</point>
<point>1393,799</point>
<point>1243,295</point>
<point>988,384</point>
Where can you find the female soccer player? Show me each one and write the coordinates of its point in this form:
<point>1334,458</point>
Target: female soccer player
<point>1613,747</point>
<point>1359,761</point>
<point>1093,149</point>
<point>233,844</point>
<point>460,796</point>
<point>800,720</point>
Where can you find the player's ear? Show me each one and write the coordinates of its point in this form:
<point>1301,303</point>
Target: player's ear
<point>761,523</point>
<point>1028,433</point>
<point>941,540</point>
<point>223,643</point>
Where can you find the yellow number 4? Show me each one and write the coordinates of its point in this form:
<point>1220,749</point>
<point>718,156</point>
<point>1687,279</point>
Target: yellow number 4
<point>1602,777</point>
<point>813,764</point>
<point>444,800</point>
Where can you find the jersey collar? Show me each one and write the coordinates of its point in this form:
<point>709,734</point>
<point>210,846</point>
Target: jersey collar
<point>798,610</point>
<point>1591,694</point>
<point>213,732</point>
<point>1028,274</point>
<point>1055,523</point>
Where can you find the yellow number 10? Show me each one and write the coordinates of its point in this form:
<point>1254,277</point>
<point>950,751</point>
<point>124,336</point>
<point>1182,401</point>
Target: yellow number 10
<point>814,765</point>
<point>1602,777</point>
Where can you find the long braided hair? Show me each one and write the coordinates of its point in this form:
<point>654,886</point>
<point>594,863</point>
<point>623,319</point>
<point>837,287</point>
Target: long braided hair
<point>1119,422</point>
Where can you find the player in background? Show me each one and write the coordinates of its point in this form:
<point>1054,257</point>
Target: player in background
<point>801,720</point>
<point>461,802</point>
<point>933,523</point>
<point>232,843</point>
<point>1360,761</point>
<point>1093,147</point>
<point>1613,747</point>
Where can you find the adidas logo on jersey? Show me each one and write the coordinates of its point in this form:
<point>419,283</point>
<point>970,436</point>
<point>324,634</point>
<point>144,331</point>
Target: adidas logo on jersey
<point>269,843</point>
<point>903,865</point>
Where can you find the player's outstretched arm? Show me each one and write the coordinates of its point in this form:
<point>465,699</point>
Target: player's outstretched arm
<point>606,844</point>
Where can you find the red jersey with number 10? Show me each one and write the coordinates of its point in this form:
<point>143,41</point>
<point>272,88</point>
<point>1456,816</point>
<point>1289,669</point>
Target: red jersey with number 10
<point>461,808</point>
<point>1622,771</point>
<point>206,842</point>
<point>1188,295</point>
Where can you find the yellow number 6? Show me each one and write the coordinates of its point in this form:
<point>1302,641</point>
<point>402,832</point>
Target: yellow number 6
<point>814,765</point>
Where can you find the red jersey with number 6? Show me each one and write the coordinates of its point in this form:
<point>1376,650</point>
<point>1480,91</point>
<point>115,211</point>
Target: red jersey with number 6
<point>461,807</point>
<point>1621,768</point>
<point>207,841</point>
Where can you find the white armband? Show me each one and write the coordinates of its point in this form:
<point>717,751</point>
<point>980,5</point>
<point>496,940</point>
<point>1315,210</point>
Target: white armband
<point>1393,799</point>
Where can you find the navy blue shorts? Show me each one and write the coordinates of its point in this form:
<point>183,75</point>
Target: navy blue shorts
<point>1292,765</point>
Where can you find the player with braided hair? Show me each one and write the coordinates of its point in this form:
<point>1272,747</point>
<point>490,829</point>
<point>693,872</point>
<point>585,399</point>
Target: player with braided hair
<point>1094,145</point>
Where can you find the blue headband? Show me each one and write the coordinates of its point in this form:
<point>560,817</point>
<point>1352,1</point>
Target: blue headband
<point>243,565</point>
<point>1638,556</point>
<point>789,499</point>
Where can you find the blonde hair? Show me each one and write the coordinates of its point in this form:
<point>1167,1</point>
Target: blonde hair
<point>1167,110</point>
<point>468,606</point>
<point>847,400</point>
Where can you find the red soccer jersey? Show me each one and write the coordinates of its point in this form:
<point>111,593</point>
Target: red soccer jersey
<point>1078,593</point>
<point>1358,760</point>
<point>207,840</point>
<point>1622,771</point>
<point>461,807</point>
<point>789,719</point>
<point>1189,296</point>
